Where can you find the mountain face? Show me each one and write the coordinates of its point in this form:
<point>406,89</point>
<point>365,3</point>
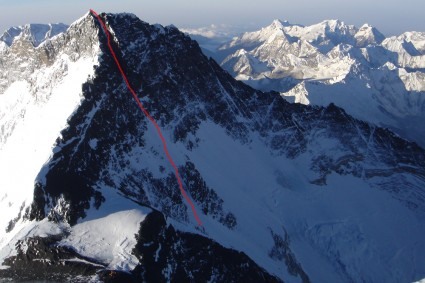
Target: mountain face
<point>373,78</point>
<point>286,192</point>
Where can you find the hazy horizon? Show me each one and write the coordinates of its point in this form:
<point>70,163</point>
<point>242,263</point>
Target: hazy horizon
<point>389,17</point>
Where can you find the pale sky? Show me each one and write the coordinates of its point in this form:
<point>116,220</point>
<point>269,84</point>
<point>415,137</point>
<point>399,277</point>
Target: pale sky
<point>389,16</point>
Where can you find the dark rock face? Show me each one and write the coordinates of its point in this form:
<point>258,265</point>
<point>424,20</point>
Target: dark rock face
<point>42,259</point>
<point>169,255</point>
<point>281,251</point>
<point>211,203</point>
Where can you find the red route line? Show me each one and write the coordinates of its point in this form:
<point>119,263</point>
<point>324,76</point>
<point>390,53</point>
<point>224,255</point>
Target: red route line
<point>158,129</point>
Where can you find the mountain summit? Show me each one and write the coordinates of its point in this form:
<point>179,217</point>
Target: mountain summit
<point>368,35</point>
<point>286,192</point>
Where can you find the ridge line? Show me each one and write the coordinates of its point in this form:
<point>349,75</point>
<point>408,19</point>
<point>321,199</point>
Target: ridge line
<point>150,118</point>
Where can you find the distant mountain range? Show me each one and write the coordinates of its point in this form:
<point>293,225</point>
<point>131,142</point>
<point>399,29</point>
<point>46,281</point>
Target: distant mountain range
<point>374,78</point>
<point>34,33</point>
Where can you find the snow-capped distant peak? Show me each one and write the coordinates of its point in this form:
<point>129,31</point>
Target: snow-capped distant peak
<point>365,26</point>
<point>278,24</point>
<point>333,24</point>
<point>367,35</point>
<point>414,37</point>
<point>35,33</point>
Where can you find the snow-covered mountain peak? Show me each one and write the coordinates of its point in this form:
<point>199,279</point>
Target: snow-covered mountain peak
<point>417,39</point>
<point>278,24</point>
<point>366,26</point>
<point>36,46</point>
<point>275,25</point>
<point>413,37</point>
<point>87,17</point>
<point>410,50</point>
<point>323,35</point>
<point>250,40</point>
<point>35,33</point>
<point>332,24</point>
<point>368,35</point>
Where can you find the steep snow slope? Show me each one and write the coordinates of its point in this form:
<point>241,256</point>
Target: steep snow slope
<point>34,108</point>
<point>373,78</point>
<point>286,192</point>
<point>31,129</point>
